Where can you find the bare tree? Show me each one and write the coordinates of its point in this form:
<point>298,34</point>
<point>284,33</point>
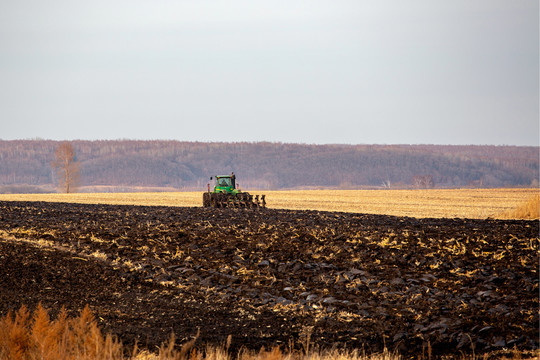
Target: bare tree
<point>423,181</point>
<point>67,168</point>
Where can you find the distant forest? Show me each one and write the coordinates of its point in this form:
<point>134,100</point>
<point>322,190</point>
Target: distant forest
<point>125,165</point>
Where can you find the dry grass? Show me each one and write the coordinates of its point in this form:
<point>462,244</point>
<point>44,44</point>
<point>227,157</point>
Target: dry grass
<point>529,209</point>
<point>23,337</point>
<point>461,203</point>
<point>26,336</point>
<point>137,198</point>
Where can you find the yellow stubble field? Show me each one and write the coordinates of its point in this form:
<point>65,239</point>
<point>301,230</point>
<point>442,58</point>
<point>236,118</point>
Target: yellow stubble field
<point>438,203</point>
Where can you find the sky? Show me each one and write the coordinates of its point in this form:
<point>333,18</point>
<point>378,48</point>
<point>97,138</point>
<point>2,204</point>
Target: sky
<point>295,71</point>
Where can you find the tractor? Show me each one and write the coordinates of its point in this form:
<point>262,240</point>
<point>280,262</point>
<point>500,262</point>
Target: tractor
<point>227,195</point>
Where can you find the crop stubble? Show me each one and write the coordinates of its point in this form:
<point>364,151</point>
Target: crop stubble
<point>268,277</point>
<point>447,203</point>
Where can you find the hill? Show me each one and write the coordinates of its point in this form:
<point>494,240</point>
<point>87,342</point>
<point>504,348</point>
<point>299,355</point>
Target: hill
<point>25,165</point>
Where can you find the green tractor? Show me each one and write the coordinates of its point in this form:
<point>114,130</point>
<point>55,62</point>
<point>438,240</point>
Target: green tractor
<point>226,194</point>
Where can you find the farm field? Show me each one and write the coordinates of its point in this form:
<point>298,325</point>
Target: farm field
<point>437,203</point>
<point>276,276</point>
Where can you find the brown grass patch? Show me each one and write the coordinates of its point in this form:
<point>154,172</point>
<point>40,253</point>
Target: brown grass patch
<point>23,336</point>
<point>529,210</point>
<point>26,336</point>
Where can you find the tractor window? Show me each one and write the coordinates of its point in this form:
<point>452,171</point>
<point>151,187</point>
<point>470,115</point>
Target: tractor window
<point>223,182</point>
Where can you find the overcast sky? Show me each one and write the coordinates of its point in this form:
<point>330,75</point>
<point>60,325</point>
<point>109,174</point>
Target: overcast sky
<point>305,71</point>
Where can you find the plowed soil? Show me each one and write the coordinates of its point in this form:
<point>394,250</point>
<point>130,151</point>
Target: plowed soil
<point>270,277</point>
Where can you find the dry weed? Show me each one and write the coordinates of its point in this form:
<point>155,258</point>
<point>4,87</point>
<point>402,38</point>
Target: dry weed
<point>26,336</point>
<point>23,337</point>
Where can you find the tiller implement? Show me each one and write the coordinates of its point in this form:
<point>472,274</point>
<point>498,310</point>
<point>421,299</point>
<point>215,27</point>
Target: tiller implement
<point>227,195</point>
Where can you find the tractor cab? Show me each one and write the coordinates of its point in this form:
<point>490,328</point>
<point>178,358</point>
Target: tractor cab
<point>225,184</point>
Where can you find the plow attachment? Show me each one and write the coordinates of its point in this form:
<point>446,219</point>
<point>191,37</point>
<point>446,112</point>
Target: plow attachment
<point>239,200</point>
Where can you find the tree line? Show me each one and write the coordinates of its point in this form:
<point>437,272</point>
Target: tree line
<point>265,165</point>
